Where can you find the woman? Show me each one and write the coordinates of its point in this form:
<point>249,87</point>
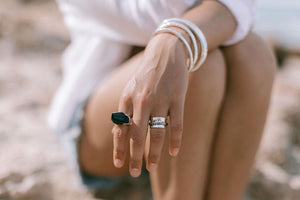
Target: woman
<point>216,114</point>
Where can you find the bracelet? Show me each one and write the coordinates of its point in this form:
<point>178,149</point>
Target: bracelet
<point>200,37</point>
<point>176,33</point>
<point>191,35</point>
<point>192,30</point>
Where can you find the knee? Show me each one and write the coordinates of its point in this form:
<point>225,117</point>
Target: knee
<point>207,84</point>
<point>251,65</point>
<point>262,57</point>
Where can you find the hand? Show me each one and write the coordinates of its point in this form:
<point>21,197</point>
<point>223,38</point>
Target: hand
<point>157,88</point>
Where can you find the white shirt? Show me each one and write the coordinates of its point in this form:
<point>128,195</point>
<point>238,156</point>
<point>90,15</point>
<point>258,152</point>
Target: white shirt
<point>102,33</point>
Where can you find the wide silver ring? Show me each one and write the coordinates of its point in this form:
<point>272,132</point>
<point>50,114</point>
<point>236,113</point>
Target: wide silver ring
<point>158,122</point>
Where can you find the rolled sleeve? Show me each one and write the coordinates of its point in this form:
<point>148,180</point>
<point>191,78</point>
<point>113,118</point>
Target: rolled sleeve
<point>244,13</point>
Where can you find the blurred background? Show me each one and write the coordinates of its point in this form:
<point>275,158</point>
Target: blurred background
<point>32,163</point>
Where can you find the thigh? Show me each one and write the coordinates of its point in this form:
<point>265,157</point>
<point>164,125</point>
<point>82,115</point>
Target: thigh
<point>96,143</point>
<point>184,176</point>
<point>250,72</point>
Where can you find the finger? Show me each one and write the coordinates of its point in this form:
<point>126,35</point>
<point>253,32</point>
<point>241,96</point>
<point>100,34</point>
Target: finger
<point>157,136</point>
<point>138,131</point>
<point>176,127</point>
<point>121,134</point>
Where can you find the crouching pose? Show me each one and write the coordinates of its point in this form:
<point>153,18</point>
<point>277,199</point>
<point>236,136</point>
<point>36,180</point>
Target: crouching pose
<point>191,106</point>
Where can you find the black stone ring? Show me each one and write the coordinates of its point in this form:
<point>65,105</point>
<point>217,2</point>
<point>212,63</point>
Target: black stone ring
<point>120,118</point>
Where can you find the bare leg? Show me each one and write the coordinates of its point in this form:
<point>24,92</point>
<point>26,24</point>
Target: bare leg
<point>96,144</point>
<point>250,69</point>
<point>184,177</point>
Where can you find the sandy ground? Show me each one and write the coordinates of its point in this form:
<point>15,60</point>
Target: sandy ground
<point>33,164</point>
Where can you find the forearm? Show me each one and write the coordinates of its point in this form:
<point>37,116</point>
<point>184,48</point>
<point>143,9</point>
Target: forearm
<point>215,20</point>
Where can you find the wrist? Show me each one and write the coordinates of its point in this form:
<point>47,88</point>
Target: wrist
<point>189,35</point>
<point>171,42</point>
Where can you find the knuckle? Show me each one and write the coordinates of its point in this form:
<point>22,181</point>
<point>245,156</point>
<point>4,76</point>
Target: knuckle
<point>143,101</point>
<point>144,98</point>
<point>147,92</point>
<point>175,140</point>
<point>178,98</point>
<point>119,134</point>
<point>135,163</point>
<point>156,136</point>
<point>177,128</point>
<point>119,153</point>
<point>137,139</point>
<point>175,143</point>
<point>154,158</point>
<point>161,102</point>
<point>125,98</point>
<point>138,122</point>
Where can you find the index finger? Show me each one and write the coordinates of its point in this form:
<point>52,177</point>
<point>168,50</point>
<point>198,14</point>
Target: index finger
<point>121,134</point>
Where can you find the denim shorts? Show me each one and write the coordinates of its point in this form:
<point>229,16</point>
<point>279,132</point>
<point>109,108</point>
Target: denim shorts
<point>69,140</point>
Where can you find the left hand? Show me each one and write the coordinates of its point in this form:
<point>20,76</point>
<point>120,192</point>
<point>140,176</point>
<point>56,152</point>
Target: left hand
<point>157,88</point>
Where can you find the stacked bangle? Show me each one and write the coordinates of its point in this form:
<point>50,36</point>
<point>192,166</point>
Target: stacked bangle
<point>176,33</point>
<point>191,35</point>
<point>195,35</point>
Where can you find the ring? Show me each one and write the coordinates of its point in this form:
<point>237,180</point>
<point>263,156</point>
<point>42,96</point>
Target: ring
<point>120,118</point>
<point>157,122</point>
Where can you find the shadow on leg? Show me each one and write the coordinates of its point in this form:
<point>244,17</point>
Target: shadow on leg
<point>184,176</point>
<point>250,68</point>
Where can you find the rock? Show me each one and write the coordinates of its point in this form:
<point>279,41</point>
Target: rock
<point>40,33</point>
<point>277,169</point>
<point>24,186</point>
<point>295,183</point>
<point>263,188</point>
<point>31,42</point>
<point>30,187</point>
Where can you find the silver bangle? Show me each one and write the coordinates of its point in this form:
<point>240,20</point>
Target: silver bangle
<point>200,36</point>
<point>167,23</point>
<point>176,33</point>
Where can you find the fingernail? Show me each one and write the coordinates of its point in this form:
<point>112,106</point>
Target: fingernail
<point>152,167</point>
<point>118,163</point>
<point>175,151</point>
<point>135,172</point>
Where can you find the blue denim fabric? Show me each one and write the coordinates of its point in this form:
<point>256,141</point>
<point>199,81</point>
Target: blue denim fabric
<point>69,140</point>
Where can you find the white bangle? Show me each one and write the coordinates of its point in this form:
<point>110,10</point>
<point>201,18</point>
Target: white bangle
<point>176,33</point>
<point>200,36</point>
<point>167,23</point>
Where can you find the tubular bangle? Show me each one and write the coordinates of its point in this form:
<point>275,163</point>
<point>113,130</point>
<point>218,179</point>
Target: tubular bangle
<point>168,30</point>
<point>166,23</point>
<point>200,36</point>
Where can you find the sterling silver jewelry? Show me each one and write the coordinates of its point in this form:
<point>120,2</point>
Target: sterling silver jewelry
<point>200,36</point>
<point>176,33</point>
<point>168,23</point>
<point>157,122</point>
